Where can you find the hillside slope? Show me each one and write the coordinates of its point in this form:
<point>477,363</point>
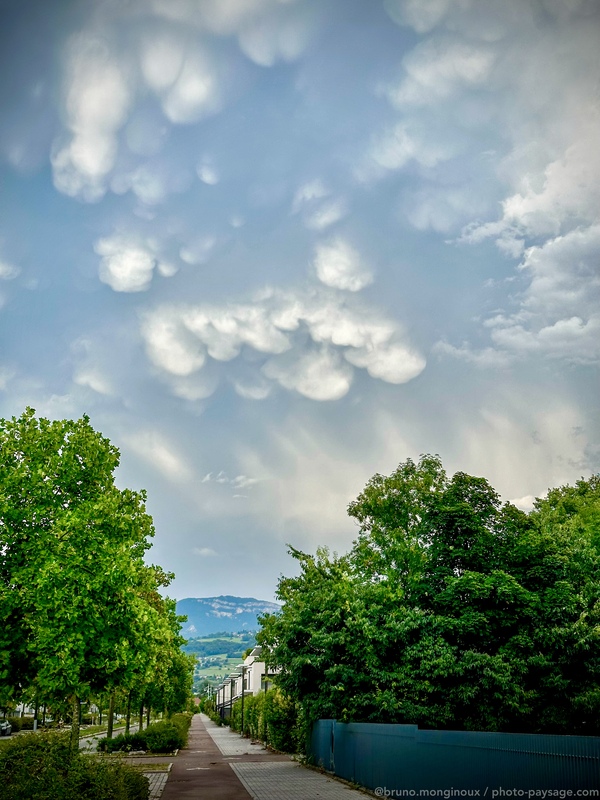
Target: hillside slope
<point>226,613</point>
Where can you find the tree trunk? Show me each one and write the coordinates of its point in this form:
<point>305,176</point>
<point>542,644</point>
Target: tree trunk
<point>111,716</point>
<point>128,717</point>
<point>148,716</point>
<point>75,707</point>
<point>141,716</point>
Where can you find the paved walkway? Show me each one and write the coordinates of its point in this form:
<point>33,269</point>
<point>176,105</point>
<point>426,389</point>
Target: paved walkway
<point>220,765</point>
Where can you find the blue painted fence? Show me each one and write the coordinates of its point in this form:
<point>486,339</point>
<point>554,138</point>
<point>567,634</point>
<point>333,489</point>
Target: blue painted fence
<point>401,758</point>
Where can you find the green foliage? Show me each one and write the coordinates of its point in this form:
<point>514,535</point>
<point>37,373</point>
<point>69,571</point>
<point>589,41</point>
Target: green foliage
<point>272,718</point>
<point>230,646</point>
<point>207,706</point>
<point>42,767</point>
<point>450,611</point>
<point>80,610</point>
<point>124,742</point>
<point>160,737</point>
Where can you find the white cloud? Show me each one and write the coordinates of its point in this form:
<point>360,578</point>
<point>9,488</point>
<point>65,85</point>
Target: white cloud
<point>169,344</point>
<point>524,503</point>
<point>179,338</point>
<point>98,94</point>
<point>283,34</point>
<point>161,60</point>
<point>400,144</point>
<point>204,552</point>
<point>392,363</point>
<point>127,265</point>
<point>238,482</point>
<point>159,453</point>
<point>558,314</point>
<point>8,272</point>
<point>339,265</point>
<point>437,68</point>
<point>318,375</point>
<point>571,188</point>
<point>207,172</point>
<point>254,390</point>
<point>225,330</point>
<point>307,192</point>
<point>195,93</point>
<point>325,215</point>
<point>422,16</point>
<point>198,250</point>
<point>94,379</point>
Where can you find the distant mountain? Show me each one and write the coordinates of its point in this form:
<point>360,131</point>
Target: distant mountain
<point>228,614</point>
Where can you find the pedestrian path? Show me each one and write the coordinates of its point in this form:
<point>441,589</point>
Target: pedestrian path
<point>218,764</point>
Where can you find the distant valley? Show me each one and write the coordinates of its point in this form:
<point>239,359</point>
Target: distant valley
<point>219,630</point>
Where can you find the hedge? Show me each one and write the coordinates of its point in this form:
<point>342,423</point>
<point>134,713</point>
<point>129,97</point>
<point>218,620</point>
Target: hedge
<point>160,737</point>
<point>272,718</point>
<point>42,767</point>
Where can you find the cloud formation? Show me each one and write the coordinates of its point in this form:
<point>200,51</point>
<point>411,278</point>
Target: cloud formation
<point>127,264</point>
<point>179,340</point>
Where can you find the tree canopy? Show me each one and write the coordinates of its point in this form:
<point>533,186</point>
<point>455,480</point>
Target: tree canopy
<point>80,610</point>
<point>451,610</point>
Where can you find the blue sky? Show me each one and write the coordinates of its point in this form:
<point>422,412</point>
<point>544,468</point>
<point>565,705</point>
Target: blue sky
<point>272,247</point>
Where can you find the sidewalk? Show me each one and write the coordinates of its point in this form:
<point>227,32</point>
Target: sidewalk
<point>220,765</point>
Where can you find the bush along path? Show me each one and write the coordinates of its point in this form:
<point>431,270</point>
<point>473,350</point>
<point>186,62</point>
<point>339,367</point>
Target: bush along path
<point>160,737</point>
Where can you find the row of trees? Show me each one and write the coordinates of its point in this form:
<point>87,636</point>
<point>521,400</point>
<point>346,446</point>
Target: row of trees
<point>81,614</point>
<point>452,610</point>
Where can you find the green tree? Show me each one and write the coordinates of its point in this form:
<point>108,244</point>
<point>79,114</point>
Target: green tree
<point>451,610</point>
<point>79,613</point>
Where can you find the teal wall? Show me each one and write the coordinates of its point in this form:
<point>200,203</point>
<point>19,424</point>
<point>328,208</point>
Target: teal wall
<point>402,757</point>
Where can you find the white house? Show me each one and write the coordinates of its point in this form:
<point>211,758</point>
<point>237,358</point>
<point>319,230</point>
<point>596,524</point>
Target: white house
<point>251,677</point>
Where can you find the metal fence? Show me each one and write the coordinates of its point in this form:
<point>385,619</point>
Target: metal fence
<point>403,761</point>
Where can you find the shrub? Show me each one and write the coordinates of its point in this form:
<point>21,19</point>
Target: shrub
<point>160,737</point>
<point>15,723</point>
<point>41,767</point>
<point>163,737</point>
<point>124,742</point>
<point>182,722</point>
<point>273,718</point>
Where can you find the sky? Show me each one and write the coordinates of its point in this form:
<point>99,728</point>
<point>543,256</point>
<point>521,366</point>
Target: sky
<point>274,247</point>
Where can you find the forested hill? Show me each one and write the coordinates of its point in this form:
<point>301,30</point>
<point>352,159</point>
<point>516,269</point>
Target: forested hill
<point>224,614</point>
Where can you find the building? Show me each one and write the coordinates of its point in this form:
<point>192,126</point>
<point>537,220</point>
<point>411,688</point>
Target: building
<point>251,678</point>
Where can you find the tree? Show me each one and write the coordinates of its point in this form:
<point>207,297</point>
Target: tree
<point>80,608</point>
<point>451,609</point>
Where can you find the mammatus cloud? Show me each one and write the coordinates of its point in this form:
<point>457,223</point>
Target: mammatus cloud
<point>310,342</point>
<point>97,100</point>
<point>127,264</point>
<point>319,375</point>
<point>340,266</point>
<point>319,209</point>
